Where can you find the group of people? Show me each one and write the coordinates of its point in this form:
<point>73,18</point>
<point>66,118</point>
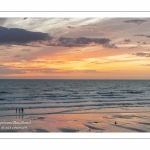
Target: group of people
<point>20,109</point>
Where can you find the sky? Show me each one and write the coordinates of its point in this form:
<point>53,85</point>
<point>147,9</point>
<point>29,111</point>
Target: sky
<point>74,48</point>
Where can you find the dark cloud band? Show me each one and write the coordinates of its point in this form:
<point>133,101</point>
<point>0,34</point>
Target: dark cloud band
<point>81,41</point>
<point>137,21</point>
<point>148,36</point>
<point>141,54</point>
<point>127,40</point>
<point>20,36</point>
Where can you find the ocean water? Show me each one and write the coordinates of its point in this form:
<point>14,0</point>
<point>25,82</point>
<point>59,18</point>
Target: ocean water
<point>71,96</point>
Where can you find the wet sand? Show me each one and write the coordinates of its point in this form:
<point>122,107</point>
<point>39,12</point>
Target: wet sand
<point>131,121</point>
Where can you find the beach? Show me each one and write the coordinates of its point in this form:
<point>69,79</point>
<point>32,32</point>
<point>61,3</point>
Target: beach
<point>104,121</point>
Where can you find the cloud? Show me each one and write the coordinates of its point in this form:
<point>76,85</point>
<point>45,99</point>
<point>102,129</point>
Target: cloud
<point>97,62</point>
<point>17,56</point>
<point>26,50</point>
<point>127,40</point>
<point>8,70</point>
<point>2,20</point>
<point>81,41</point>
<point>89,25</point>
<point>87,71</point>
<point>20,36</point>
<point>146,65</point>
<point>148,36</point>
<point>67,19</point>
<point>132,47</point>
<point>141,54</point>
<point>59,71</point>
<point>136,21</point>
<point>43,70</point>
<point>70,27</point>
<point>108,45</point>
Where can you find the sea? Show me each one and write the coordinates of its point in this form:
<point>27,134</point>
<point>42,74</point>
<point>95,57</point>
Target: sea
<point>43,96</point>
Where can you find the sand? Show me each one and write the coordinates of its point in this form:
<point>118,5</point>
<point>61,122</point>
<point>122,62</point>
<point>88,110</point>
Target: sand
<point>116,120</point>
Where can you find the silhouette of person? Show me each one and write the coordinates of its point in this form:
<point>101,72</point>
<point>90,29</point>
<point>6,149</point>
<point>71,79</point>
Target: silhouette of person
<point>22,110</point>
<point>16,110</point>
<point>19,110</point>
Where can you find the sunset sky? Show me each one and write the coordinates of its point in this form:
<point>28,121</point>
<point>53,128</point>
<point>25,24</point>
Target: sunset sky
<point>75,48</point>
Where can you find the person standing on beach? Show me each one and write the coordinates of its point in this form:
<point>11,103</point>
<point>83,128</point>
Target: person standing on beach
<point>19,110</point>
<point>22,110</point>
<point>16,110</point>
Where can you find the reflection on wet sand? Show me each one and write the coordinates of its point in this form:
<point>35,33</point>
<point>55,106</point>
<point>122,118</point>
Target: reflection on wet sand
<point>97,122</point>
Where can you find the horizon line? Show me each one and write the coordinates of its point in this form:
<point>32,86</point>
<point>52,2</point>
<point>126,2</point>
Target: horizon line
<point>62,79</point>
